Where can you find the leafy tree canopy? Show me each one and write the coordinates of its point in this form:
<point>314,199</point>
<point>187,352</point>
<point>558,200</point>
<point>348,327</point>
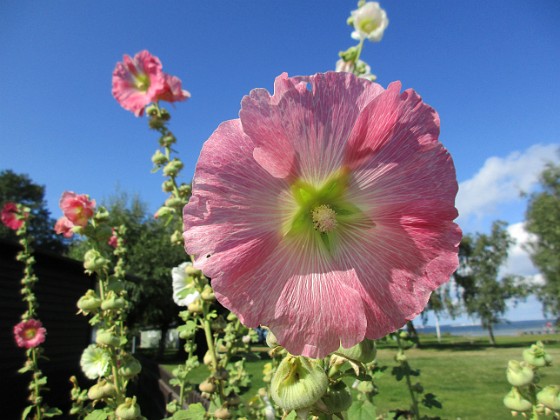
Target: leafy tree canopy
<point>543,220</point>
<point>19,188</point>
<point>484,294</point>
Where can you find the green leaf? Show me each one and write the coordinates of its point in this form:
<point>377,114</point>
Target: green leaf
<point>27,411</point>
<point>97,415</point>
<point>193,412</point>
<point>361,410</point>
<point>25,369</point>
<point>52,412</point>
<point>291,416</point>
<point>430,400</point>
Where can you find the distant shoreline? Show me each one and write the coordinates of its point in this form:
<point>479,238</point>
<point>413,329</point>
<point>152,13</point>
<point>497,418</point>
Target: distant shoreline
<point>512,328</point>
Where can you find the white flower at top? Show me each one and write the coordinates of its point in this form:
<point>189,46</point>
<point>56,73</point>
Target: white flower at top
<point>183,288</point>
<point>370,21</point>
<point>95,361</point>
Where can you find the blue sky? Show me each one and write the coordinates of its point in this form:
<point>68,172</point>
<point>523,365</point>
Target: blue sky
<point>490,68</point>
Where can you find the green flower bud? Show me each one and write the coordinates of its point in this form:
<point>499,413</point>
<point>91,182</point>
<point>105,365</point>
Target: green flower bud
<point>363,352</point>
<point>173,168</point>
<point>365,386</point>
<point>164,114</point>
<point>298,383</point>
<point>151,110</point>
<point>549,396</point>
<point>400,356</point>
<point>271,339</point>
<point>112,301</point>
<point>519,374</point>
<point>175,202</point>
<point>102,389</point>
<point>515,401</point>
<point>159,158</point>
<point>207,386</point>
<point>89,302</point>
<point>156,123</point>
<point>349,55</point>
<point>128,410</point>
<point>208,294</point>
<point>536,356</point>
<point>195,307</point>
<point>208,360</point>
<point>337,398</point>
<point>94,261</point>
<point>218,324</point>
<point>185,190</point>
<point>222,413</point>
<point>167,186</point>
<point>130,367</point>
<point>102,215</point>
<point>164,211</point>
<point>167,140</point>
<point>107,338</point>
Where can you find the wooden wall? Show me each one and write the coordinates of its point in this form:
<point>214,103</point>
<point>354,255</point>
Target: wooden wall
<point>61,282</point>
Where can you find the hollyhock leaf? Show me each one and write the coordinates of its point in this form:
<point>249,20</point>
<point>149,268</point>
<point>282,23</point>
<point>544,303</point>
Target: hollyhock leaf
<point>362,410</point>
<point>326,211</point>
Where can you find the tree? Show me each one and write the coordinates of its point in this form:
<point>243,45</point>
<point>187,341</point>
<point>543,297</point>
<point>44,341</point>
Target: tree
<point>484,293</point>
<point>19,188</point>
<point>441,302</point>
<point>543,220</point>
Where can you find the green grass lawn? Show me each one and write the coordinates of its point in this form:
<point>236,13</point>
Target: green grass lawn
<point>467,376</point>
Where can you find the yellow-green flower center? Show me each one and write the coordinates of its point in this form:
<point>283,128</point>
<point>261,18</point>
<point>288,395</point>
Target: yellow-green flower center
<point>30,333</point>
<point>324,218</point>
<point>142,82</point>
<point>369,25</point>
<point>322,212</point>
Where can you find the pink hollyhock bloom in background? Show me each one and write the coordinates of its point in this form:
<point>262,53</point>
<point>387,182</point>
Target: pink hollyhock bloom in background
<point>173,92</point>
<point>77,208</point>
<point>64,227</point>
<point>113,240</point>
<point>137,81</point>
<point>325,212</point>
<point>29,334</point>
<point>140,80</point>
<point>12,216</point>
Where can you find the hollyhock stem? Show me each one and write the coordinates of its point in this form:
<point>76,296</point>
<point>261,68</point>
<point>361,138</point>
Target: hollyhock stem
<point>406,366</point>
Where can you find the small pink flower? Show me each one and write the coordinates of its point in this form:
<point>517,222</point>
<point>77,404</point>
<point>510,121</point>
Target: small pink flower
<point>29,334</point>
<point>113,240</point>
<point>140,80</point>
<point>12,216</point>
<point>325,212</point>
<point>64,226</point>
<point>78,208</point>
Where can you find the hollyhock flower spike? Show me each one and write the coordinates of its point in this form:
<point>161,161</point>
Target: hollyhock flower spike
<point>29,334</point>
<point>12,216</point>
<point>325,212</point>
<point>77,208</point>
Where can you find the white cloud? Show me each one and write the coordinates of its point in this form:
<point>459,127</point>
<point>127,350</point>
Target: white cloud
<point>519,262</point>
<point>502,180</point>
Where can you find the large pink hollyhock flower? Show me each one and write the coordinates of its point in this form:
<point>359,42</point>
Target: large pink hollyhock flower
<point>29,334</point>
<point>77,208</point>
<point>12,216</point>
<point>64,227</point>
<point>137,81</point>
<point>325,211</point>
